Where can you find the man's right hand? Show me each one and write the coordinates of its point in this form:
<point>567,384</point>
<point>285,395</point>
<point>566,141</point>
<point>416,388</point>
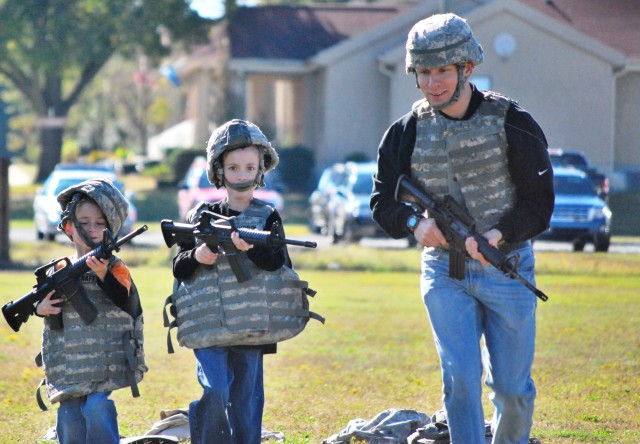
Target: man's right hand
<point>428,234</point>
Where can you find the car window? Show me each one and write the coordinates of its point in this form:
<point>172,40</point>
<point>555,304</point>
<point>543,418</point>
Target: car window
<point>364,184</point>
<point>573,186</point>
<point>204,181</point>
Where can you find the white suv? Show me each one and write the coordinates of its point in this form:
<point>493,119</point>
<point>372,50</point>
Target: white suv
<point>46,209</point>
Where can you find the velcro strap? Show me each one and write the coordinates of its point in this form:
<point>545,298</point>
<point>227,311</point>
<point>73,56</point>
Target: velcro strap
<point>316,316</point>
<point>41,403</point>
<point>170,349</point>
<point>133,364</point>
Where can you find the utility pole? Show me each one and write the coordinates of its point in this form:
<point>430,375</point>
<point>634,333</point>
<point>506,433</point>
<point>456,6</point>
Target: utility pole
<point>5,212</point>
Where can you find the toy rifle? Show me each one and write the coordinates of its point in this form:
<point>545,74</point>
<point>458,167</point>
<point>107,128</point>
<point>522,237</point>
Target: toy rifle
<point>65,281</point>
<point>457,225</point>
<point>217,236</point>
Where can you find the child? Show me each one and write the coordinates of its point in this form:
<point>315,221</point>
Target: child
<point>229,370</point>
<point>84,363</point>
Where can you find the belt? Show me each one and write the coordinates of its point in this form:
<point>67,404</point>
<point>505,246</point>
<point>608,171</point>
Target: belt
<point>505,248</point>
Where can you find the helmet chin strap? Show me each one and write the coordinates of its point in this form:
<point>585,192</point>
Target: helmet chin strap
<point>462,81</point>
<point>241,186</point>
<point>84,235</point>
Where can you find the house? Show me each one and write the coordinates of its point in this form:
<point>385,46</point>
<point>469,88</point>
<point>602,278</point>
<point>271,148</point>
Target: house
<point>332,78</point>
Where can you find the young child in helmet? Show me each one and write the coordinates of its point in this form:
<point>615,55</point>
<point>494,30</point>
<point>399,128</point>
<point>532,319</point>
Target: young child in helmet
<point>230,410</point>
<point>84,363</point>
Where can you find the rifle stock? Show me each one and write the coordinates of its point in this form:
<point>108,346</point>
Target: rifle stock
<point>456,224</point>
<point>50,277</point>
<point>217,236</point>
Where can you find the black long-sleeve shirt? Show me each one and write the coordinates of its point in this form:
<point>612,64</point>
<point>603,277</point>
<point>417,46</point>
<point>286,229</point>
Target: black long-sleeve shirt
<point>529,166</point>
<point>266,258</point>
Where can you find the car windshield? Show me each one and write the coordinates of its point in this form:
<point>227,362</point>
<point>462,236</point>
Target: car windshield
<point>204,181</point>
<point>573,186</point>
<point>65,183</point>
<point>364,184</point>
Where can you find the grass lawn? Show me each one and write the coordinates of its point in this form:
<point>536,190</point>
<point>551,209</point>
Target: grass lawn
<point>375,351</point>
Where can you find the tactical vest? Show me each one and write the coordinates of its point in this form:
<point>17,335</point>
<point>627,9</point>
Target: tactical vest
<point>105,355</point>
<point>471,154</point>
<point>211,308</point>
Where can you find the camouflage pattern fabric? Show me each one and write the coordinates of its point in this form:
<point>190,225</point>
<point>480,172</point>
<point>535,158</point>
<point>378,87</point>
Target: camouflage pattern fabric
<point>442,39</point>
<point>110,200</point>
<point>476,149</point>
<point>213,309</point>
<point>235,134</point>
<point>82,359</point>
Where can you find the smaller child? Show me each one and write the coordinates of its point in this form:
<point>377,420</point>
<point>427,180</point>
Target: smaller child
<point>84,363</point>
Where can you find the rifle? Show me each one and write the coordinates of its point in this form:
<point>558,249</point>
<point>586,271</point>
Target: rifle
<point>65,281</point>
<point>217,236</point>
<point>457,225</point>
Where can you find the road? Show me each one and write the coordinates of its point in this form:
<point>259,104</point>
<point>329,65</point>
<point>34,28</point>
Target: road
<point>153,238</point>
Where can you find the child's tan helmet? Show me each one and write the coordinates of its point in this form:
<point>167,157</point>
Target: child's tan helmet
<point>235,134</point>
<point>105,194</point>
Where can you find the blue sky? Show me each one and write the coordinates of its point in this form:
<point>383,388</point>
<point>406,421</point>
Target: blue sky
<point>215,8</point>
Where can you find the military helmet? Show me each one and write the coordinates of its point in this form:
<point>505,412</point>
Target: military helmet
<point>442,39</point>
<point>235,134</point>
<point>104,193</point>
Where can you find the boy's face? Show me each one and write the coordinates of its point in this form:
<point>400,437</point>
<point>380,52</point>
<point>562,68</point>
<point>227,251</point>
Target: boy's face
<point>241,165</point>
<point>91,220</point>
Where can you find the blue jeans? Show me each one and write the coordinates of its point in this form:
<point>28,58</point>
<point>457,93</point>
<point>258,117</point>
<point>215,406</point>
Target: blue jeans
<point>488,304</point>
<point>90,419</point>
<point>230,410</point>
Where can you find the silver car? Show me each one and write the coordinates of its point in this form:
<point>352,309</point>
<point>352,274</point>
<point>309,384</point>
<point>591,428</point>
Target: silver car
<point>46,209</point>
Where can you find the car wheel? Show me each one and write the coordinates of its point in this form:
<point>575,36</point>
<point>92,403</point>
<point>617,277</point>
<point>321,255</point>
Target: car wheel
<point>601,244</point>
<point>39,235</point>
<point>578,245</point>
<point>51,237</point>
<point>332,232</point>
<point>349,235</point>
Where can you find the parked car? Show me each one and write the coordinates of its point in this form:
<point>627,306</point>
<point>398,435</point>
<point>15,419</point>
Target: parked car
<point>347,207</point>
<point>46,209</point>
<point>331,179</point>
<point>195,187</point>
<point>580,215</point>
<point>577,159</point>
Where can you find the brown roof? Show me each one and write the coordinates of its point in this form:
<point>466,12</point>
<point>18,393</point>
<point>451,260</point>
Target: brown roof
<point>616,23</point>
<point>299,32</point>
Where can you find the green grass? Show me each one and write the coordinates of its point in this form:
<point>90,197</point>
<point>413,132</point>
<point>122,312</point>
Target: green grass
<point>375,350</point>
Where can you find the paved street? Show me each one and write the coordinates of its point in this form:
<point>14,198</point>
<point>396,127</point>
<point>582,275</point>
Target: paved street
<point>154,238</point>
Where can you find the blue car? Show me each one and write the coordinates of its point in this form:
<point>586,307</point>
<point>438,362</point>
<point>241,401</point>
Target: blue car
<point>580,216</point>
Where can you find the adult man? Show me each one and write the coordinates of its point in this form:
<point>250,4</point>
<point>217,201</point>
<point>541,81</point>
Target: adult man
<point>489,154</point>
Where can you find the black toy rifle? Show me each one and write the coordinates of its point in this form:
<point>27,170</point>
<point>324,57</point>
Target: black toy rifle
<point>65,281</point>
<point>457,225</point>
<point>217,236</point>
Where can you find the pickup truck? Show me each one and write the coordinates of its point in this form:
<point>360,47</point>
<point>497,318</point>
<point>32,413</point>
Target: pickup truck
<point>578,160</point>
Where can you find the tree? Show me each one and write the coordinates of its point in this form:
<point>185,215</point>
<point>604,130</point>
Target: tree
<point>52,49</point>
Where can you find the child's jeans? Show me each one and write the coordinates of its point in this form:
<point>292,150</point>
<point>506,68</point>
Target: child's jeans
<point>90,419</point>
<point>230,410</point>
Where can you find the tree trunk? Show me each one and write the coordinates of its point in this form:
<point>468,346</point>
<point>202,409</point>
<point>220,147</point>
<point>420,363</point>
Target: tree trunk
<point>5,259</point>
<point>51,143</point>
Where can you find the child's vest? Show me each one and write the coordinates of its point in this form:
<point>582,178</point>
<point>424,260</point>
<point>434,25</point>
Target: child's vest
<point>106,355</point>
<point>212,308</point>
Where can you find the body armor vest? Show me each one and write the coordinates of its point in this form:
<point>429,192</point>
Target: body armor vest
<point>470,155</point>
<point>105,355</point>
<point>213,309</point>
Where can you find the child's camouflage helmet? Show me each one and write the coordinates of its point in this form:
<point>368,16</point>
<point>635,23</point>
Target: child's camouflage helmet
<point>105,194</point>
<point>238,134</point>
<point>440,40</point>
